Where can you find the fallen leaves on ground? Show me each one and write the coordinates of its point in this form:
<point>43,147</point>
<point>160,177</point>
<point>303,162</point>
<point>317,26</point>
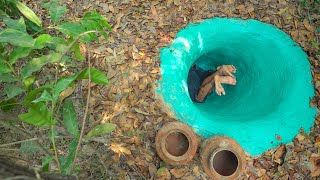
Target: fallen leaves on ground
<point>315,165</point>
<point>130,58</point>
<point>163,174</point>
<point>277,156</point>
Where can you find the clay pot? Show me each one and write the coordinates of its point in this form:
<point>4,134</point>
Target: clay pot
<point>222,158</point>
<point>176,143</point>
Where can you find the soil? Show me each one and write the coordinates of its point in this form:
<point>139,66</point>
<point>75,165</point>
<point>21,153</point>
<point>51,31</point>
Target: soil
<point>177,144</point>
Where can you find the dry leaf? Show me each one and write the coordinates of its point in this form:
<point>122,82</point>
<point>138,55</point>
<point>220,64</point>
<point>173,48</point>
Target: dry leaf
<point>317,143</point>
<point>279,138</point>
<point>83,49</point>
<point>176,2</point>
<point>313,102</point>
<point>261,172</point>
<point>241,7</point>
<point>300,137</point>
<point>308,26</point>
<point>279,154</point>
<point>135,56</point>
<point>111,8</point>
<point>141,112</point>
<point>282,10</point>
<point>250,9</point>
<point>119,149</point>
<point>163,174</point>
<point>134,48</point>
<point>119,16</point>
<point>152,170</point>
<point>66,93</point>
<point>177,173</point>
<point>169,2</point>
<point>315,165</point>
<point>154,12</point>
<point>196,171</point>
<point>295,35</point>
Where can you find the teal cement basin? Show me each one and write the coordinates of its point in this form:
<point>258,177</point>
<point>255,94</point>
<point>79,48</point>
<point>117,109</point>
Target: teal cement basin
<point>273,88</point>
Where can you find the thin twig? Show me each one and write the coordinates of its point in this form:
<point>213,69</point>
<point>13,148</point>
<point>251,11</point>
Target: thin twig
<point>85,113</point>
<point>13,157</point>
<point>18,142</point>
<point>9,149</point>
<point>55,83</point>
<point>55,147</point>
<point>102,162</point>
<point>19,177</point>
<point>134,169</point>
<point>26,134</point>
<point>27,140</point>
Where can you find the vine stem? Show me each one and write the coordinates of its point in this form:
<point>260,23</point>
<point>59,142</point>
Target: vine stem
<point>54,146</point>
<point>18,142</point>
<point>24,132</point>
<point>53,100</point>
<point>26,140</point>
<point>85,113</point>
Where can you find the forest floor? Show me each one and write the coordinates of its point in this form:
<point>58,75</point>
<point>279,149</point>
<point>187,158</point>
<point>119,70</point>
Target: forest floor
<point>130,58</point>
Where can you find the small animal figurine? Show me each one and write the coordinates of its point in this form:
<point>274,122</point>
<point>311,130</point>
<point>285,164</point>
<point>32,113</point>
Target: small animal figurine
<point>223,75</point>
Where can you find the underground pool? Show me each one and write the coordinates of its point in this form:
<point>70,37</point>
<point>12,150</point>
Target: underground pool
<point>269,104</point>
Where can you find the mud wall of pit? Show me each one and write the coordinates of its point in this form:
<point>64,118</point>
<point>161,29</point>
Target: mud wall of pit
<point>273,82</point>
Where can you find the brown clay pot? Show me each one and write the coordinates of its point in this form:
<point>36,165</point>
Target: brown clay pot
<point>222,158</point>
<point>176,143</point>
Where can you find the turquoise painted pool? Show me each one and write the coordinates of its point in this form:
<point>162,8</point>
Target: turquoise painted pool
<point>273,82</point>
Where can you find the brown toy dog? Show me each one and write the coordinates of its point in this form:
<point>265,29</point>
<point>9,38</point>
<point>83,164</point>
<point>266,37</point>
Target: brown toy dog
<point>223,75</point>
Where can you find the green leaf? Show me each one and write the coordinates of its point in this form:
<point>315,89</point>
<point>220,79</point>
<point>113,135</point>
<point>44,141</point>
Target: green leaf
<point>94,15</point>
<point>94,21</point>
<point>73,30</point>
<point>16,38</point>
<point>56,12</point>
<point>41,41</point>
<point>29,147</point>
<point>28,82</point>
<point>37,63</point>
<point>70,118</point>
<point>8,104</point>
<point>45,163</point>
<point>8,78</point>
<point>38,115</point>
<point>62,84</point>
<point>13,91</point>
<point>77,51</point>
<point>3,14</point>
<point>57,43</point>
<point>4,68</point>
<point>66,163</point>
<point>97,76</point>
<point>91,25</point>
<point>101,129</point>
<point>19,52</point>
<point>45,97</point>
<point>16,24</point>
<point>34,93</point>
<point>28,13</point>
<point>32,27</point>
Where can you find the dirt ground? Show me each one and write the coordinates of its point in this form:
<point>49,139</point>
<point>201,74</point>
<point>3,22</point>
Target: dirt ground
<point>130,57</point>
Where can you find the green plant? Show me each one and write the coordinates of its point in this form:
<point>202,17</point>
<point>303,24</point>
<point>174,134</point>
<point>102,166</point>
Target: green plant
<point>26,49</point>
